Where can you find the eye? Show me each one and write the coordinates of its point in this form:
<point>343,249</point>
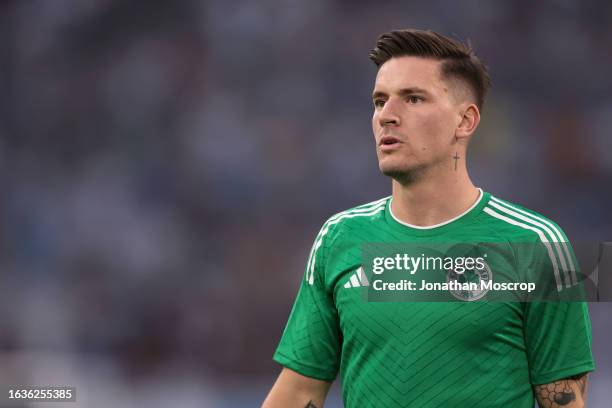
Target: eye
<point>379,103</point>
<point>415,99</point>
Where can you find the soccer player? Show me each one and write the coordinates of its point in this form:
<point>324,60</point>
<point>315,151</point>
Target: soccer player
<point>428,96</point>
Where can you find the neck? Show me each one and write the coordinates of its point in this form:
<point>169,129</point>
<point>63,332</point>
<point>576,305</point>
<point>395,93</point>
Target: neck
<point>433,200</point>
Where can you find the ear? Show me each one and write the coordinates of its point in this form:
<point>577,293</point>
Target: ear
<point>468,123</point>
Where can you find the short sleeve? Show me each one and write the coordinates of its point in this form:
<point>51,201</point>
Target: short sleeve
<point>558,340</point>
<point>310,344</point>
<point>557,332</point>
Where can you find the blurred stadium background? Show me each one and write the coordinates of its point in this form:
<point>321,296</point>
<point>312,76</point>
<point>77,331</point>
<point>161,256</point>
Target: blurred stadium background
<point>165,166</point>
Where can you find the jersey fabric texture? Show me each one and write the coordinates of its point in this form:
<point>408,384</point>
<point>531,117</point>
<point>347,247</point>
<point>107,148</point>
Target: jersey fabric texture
<point>435,354</point>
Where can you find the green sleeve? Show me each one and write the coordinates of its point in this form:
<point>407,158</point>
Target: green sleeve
<point>310,344</point>
<point>558,340</point>
<point>557,332</point>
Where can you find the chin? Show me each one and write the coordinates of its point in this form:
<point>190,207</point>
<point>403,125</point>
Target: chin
<point>393,165</point>
<point>403,174</point>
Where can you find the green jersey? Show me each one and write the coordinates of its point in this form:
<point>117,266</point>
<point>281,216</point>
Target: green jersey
<point>433,354</point>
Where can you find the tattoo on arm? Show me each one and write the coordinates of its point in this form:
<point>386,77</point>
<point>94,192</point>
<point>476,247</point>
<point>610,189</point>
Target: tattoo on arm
<point>562,393</point>
<point>310,405</point>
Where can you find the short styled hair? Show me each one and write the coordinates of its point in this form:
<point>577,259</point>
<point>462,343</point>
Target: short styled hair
<point>458,59</point>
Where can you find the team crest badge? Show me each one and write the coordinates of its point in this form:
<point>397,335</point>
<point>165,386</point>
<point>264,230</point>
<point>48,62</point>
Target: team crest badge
<point>477,277</point>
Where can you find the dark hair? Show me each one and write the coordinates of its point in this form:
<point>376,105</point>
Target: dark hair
<point>458,59</point>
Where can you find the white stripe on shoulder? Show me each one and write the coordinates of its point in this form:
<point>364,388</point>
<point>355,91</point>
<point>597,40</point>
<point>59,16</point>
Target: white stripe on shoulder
<point>495,214</point>
<point>361,208</point>
<point>557,233</point>
<point>332,220</point>
<point>552,237</point>
<point>311,262</point>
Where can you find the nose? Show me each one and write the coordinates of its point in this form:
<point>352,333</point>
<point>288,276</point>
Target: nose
<point>388,116</point>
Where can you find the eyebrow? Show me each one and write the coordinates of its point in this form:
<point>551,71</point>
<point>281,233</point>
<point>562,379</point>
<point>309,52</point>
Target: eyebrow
<point>402,92</point>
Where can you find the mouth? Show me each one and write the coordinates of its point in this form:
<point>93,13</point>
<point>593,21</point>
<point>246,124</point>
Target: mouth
<point>388,143</point>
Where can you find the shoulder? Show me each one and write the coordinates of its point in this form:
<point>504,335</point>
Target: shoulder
<point>544,239</point>
<point>356,217</point>
<point>343,224</point>
<point>516,222</point>
<point>351,221</point>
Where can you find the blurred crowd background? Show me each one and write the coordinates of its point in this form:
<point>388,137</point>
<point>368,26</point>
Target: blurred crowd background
<point>165,166</point>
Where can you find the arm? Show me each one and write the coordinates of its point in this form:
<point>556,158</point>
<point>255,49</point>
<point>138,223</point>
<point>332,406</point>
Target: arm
<point>293,390</point>
<point>566,393</point>
<point>558,339</point>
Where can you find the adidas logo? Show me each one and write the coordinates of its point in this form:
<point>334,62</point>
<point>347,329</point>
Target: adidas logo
<point>357,279</point>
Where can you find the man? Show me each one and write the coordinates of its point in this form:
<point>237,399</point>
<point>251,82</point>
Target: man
<point>428,96</point>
